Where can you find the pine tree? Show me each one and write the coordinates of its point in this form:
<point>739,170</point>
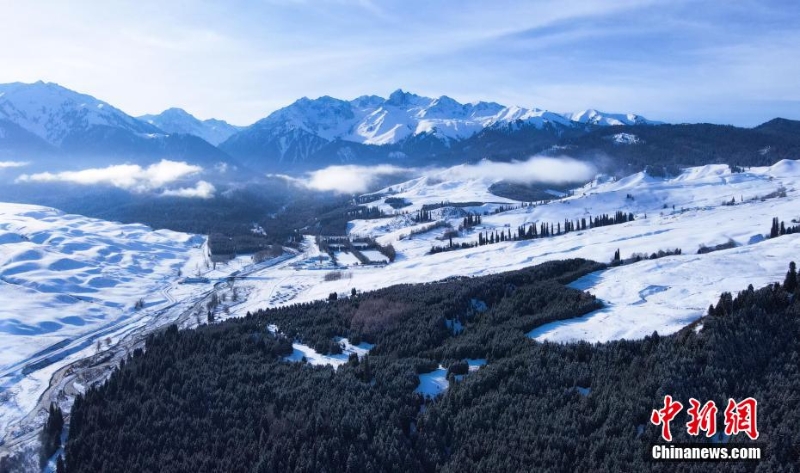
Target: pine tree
<point>790,283</point>
<point>775,230</point>
<point>50,436</point>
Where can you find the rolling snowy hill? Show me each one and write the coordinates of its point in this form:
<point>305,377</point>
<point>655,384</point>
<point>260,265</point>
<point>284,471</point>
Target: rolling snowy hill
<point>62,274</point>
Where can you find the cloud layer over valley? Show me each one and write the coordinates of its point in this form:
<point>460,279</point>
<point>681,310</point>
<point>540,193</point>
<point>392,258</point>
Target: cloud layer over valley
<point>132,177</point>
<point>359,179</point>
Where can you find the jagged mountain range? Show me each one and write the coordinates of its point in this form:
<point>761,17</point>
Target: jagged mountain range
<point>45,122</point>
<point>409,122</point>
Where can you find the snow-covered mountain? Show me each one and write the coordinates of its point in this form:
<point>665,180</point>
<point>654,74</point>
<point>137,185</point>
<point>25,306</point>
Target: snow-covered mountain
<point>594,117</point>
<point>296,132</point>
<point>43,122</point>
<point>177,120</point>
<point>55,113</point>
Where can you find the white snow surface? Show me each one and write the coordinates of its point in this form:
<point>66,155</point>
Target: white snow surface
<point>62,275</point>
<point>434,383</point>
<point>313,357</point>
<point>625,139</point>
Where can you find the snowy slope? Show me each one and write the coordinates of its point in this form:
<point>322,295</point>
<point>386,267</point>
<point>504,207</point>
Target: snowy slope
<point>657,295</point>
<point>62,275</point>
<point>176,120</point>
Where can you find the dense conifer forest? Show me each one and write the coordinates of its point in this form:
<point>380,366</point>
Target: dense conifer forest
<point>219,398</point>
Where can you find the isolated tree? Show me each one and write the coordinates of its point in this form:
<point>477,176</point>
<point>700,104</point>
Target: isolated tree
<point>790,283</point>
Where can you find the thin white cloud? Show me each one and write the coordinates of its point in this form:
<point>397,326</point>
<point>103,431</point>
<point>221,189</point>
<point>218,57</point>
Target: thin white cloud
<point>201,190</point>
<point>352,179</point>
<point>130,177</point>
<point>538,169</point>
<point>12,164</point>
<point>346,179</point>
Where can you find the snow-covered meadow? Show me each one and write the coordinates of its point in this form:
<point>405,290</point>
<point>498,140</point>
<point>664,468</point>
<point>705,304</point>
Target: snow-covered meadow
<point>62,275</point>
<point>687,211</point>
<point>67,281</point>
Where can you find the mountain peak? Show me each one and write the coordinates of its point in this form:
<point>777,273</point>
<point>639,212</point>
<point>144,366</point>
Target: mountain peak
<point>177,120</point>
<point>595,117</point>
<point>399,98</point>
<point>54,112</point>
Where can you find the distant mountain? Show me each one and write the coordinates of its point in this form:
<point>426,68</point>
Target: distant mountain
<point>780,126</point>
<point>177,120</point>
<point>46,119</point>
<point>54,127</point>
<point>593,117</point>
<point>403,124</point>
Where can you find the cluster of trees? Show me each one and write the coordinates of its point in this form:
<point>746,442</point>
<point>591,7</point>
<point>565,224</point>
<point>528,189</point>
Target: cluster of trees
<point>549,229</point>
<point>423,215</point>
<point>779,228</point>
<point>532,193</point>
<point>397,202</point>
<point>237,243</point>
<point>470,221</point>
<point>219,398</point>
<point>361,212</point>
<point>366,199</point>
<point>271,251</point>
<point>617,260</point>
<point>50,437</point>
<point>544,230</point>
<point>722,246</point>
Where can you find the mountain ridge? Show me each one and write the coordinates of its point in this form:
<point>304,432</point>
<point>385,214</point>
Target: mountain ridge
<point>403,129</point>
<point>178,120</point>
<point>44,122</point>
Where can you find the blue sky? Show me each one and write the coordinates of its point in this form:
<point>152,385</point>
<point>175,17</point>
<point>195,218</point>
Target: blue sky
<point>678,61</point>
